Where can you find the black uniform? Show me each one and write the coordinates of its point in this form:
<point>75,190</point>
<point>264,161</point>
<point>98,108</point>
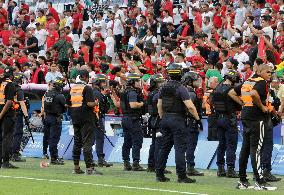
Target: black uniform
<point>173,126</point>
<point>225,109</point>
<point>99,129</point>
<point>54,107</point>
<point>7,125</point>
<point>19,124</point>
<point>131,124</point>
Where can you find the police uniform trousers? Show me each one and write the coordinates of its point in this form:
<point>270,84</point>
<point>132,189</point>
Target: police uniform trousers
<point>53,127</point>
<point>6,139</point>
<point>99,138</point>
<point>83,138</point>
<point>228,140</point>
<point>253,136</point>
<point>133,137</point>
<point>212,127</point>
<point>18,133</point>
<point>174,133</point>
<point>193,133</point>
<point>266,153</point>
<point>45,138</point>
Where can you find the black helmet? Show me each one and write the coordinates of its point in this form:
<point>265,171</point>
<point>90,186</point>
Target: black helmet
<point>58,83</point>
<point>18,78</point>
<point>98,79</point>
<point>174,71</point>
<point>233,76</point>
<point>156,78</point>
<point>132,78</point>
<point>189,77</point>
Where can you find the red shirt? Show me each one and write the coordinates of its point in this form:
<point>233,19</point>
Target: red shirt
<point>5,35</point>
<point>23,60</point>
<point>9,61</point>
<point>48,22</point>
<point>22,35</point>
<point>149,66</point>
<point>44,69</point>
<point>54,14</point>
<point>198,19</point>
<point>99,48</point>
<point>217,19</point>
<point>248,74</point>
<point>169,6</point>
<point>26,7</point>
<point>77,17</point>
<point>52,38</point>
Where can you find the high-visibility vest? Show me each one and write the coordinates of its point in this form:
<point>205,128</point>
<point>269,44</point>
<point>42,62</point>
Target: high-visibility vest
<point>15,105</point>
<point>206,96</point>
<point>246,91</point>
<point>76,93</point>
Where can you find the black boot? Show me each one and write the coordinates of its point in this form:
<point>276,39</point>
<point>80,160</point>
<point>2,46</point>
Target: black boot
<point>231,173</point>
<point>185,179</point>
<point>160,177</point>
<point>191,171</point>
<point>221,171</point>
<point>127,166</point>
<point>103,163</point>
<point>136,166</point>
<point>56,161</point>
<point>150,169</point>
<point>269,177</point>
<point>17,158</point>
<point>7,165</point>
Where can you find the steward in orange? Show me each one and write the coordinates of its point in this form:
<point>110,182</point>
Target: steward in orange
<point>82,103</point>
<point>7,116</point>
<point>253,97</point>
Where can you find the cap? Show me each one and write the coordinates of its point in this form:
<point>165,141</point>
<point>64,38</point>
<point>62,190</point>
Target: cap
<point>99,35</point>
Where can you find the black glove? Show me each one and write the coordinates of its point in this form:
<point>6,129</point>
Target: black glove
<point>200,125</point>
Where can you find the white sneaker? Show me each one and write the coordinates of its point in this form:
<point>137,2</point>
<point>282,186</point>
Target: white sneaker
<point>264,186</point>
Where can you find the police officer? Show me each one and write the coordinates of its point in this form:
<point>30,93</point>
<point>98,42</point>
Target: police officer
<point>82,103</point>
<point>7,117</point>
<point>21,113</point>
<point>173,102</point>
<point>191,80</point>
<point>154,121</point>
<point>54,107</point>
<point>99,84</point>
<point>253,94</point>
<point>132,104</point>
<point>225,109</point>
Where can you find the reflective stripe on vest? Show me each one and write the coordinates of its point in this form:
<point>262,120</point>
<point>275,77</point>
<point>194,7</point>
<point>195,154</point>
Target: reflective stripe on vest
<point>76,93</point>
<point>2,94</point>
<point>246,91</point>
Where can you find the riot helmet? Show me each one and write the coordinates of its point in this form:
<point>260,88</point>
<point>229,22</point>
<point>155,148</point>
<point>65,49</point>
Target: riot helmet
<point>190,77</point>
<point>232,76</point>
<point>131,78</point>
<point>99,79</point>
<point>18,78</point>
<point>155,80</point>
<point>58,83</point>
<point>174,71</point>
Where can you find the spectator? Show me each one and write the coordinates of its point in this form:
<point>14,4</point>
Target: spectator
<point>32,43</point>
<point>52,74</point>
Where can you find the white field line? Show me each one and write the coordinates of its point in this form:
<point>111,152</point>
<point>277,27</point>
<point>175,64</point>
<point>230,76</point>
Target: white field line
<point>101,185</point>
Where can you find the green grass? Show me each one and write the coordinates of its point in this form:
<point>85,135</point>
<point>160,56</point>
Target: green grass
<point>209,184</point>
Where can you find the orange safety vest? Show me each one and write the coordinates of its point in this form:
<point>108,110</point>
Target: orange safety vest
<point>247,89</point>
<point>269,104</point>
<point>206,96</point>
<point>76,93</point>
<point>15,105</point>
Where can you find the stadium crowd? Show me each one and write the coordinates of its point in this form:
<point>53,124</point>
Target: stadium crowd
<point>214,39</point>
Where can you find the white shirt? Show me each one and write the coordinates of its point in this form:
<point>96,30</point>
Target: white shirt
<point>69,21</point>
<point>32,25</point>
<point>41,36</point>
<point>109,41</point>
<point>240,16</point>
<point>103,27</point>
<point>268,31</point>
<point>209,14</point>
<point>169,19</point>
<point>118,27</point>
<point>110,25</point>
<point>154,39</point>
<point>177,19</point>
<point>241,58</point>
<point>51,76</point>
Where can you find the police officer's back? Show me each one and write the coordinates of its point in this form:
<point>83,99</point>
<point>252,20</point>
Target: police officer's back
<point>172,104</point>
<point>54,107</point>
